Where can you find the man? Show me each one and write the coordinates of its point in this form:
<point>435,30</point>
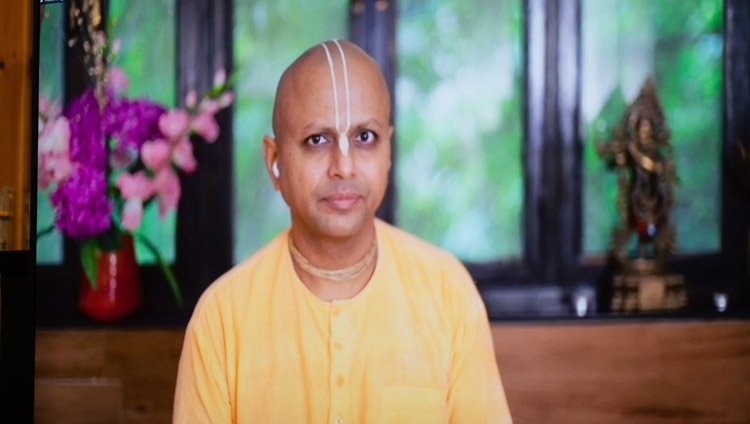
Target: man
<point>342,318</point>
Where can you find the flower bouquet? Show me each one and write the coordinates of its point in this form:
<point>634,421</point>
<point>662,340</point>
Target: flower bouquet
<point>104,156</point>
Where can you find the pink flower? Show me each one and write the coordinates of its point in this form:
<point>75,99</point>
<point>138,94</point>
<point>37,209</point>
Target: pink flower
<point>132,214</point>
<point>174,123</point>
<point>182,155</point>
<point>54,153</point>
<point>53,171</point>
<point>117,80</point>
<point>220,77</point>
<point>48,108</point>
<point>210,106</point>
<point>56,137</point>
<point>116,44</point>
<point>167,186</point>
<point>191,99</point>
<point>226,99</point>
<point>155,154</point>
<point>205,125</point>
<point>134,188</point>
<point>44,104</point>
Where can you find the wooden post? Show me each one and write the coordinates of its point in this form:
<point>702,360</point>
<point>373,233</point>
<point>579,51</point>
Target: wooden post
<point>16,47</point>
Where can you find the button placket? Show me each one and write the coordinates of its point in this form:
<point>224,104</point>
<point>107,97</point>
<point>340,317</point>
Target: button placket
<point>339,363</point>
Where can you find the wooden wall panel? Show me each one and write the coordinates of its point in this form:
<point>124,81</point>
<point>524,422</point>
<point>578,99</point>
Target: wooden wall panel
<point>78,401</point>
<point>602,372</point>
<point>692,372</point>
<point>143,361</point>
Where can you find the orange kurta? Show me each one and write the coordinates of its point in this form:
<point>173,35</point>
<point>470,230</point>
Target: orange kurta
<point>414,346</point>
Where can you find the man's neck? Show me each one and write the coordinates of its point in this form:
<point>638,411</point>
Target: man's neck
<point>327,290</point>
<point>334,254</point>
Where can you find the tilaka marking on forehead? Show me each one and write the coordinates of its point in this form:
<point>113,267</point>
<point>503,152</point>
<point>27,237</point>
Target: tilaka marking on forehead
<point>343,137</point>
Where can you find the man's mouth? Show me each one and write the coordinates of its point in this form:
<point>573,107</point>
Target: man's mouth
<point>342,201</point>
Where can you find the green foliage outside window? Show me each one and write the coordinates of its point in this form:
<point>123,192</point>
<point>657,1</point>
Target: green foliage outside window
<point>51,40</point>
<point>459,125</point>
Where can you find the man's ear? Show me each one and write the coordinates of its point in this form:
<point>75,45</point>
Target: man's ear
<point>271,159</point>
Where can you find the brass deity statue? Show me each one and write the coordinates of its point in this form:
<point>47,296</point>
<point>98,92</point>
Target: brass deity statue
<point>641,154</point>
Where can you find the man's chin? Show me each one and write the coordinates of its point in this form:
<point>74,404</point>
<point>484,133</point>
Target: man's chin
<point>345,226</point>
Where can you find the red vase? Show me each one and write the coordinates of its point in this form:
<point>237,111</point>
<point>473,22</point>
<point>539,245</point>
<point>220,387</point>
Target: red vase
<point>118,285</point>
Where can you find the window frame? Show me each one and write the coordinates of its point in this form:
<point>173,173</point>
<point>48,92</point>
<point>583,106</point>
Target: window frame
<point>539,285</point>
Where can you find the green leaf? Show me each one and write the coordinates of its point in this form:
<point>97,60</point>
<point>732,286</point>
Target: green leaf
<point>232,79</point>
<point>166,269</point>
<point>228,85</point>
<point>43,232</point>
<point>88,260</point>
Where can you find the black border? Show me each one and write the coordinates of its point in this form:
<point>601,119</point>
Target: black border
<point>18,322</point>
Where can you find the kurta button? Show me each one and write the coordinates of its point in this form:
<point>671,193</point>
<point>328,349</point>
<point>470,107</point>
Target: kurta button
<point>337,345</point>
<point>338,420</point>
<point>339,381</point>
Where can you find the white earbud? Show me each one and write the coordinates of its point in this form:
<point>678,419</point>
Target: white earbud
<point>275,169</point>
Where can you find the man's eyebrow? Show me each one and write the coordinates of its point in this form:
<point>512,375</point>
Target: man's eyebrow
<point>374,122</point>
<point>317,127</point>
<point>321,128</point>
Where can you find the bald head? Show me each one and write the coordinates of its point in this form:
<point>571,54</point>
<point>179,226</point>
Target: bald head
<point>330,153</point>
<point>335,75</point>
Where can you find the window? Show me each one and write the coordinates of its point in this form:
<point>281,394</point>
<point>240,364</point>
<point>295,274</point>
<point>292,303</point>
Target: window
<point>529,84</point>
<point>459,125</point>
<point>679,45</point>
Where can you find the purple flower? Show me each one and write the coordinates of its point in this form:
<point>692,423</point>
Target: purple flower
<point>87,143</point>
<point>83,209</point>
<point>126,137</point>
<point>132,122</point>
<point>82,203</point>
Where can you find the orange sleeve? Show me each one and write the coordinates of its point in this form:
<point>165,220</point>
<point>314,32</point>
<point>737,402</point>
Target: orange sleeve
<point>476,392</point>
<point>201,393</point>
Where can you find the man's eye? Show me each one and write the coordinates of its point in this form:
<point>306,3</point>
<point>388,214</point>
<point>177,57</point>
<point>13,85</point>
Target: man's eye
<point>315,140</point>
<point>366,136</point>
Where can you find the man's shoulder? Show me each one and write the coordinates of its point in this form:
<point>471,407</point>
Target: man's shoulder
<point>407,245</point>
<point>422,265</point>
<point>244,274</point>
<point>425,268</point>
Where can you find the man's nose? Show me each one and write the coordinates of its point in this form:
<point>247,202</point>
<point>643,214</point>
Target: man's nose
<point>342,165</point>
